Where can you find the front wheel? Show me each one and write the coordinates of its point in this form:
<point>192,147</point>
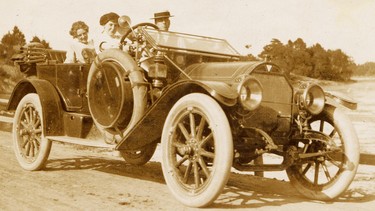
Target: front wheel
<point>30,145</point>
<point>197,150</point>
<point>326,177</point>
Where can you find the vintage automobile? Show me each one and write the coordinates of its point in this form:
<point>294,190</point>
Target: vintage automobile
<point>209,111</point>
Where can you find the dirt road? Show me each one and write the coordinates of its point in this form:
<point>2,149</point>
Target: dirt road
<point>92,179</point>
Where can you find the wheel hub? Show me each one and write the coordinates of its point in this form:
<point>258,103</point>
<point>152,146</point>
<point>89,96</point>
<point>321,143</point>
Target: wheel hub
<point>30,130</point>
<point>191,149</point>
<point>193,145</point>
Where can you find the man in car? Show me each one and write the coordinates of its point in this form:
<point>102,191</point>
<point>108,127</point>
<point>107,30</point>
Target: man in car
<point>162,20</point>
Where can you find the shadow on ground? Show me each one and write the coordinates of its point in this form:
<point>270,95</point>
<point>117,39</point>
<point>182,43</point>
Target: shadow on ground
<point>245,191</point>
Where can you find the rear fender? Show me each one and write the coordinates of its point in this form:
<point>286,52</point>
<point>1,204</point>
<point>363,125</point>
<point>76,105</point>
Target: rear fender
<point>154,118</point>
<point>49,98</point>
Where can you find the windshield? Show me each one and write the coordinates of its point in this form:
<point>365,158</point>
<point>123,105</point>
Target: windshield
<point>179,41</point>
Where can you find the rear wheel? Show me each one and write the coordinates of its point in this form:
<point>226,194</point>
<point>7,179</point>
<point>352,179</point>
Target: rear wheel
<point>326,177</point>
<point>30,145</point>
<point>197,150</point>
<point>140,156</point>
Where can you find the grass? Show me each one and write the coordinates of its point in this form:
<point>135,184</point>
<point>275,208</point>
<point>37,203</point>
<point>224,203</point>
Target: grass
<point>9,77</point>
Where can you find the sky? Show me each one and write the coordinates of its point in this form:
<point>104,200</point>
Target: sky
<point>348,25</point>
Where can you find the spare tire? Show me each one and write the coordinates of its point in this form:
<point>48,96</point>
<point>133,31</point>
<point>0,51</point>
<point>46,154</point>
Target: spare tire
<point>116,92</point>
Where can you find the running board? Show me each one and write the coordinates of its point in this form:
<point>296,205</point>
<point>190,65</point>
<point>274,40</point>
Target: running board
<point>6,119</point>
<point>264,167</point>
<point>81,141</point>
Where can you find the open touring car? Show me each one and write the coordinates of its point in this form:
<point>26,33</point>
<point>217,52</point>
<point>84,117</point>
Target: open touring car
<point>208,110</point>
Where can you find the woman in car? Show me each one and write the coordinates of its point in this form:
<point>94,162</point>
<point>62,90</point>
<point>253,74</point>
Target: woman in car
<point>110,37</point>
<point>81,50</point>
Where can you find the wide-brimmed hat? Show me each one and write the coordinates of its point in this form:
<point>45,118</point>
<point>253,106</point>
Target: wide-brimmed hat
<point>165,14</point>
<point>108,17</point>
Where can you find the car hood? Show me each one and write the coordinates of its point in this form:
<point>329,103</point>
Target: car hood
<point>223,71</point>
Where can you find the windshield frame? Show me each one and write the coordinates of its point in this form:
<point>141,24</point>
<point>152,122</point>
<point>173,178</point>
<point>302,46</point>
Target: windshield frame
<point>150,33</point>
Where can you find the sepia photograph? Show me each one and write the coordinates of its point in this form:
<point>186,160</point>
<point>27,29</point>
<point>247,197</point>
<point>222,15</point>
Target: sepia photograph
<point>187,105</point>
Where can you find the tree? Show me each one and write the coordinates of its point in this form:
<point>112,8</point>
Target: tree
<point>272,51</point>
<point>299,57</point>
<point>295,57</point>
<point>43,42</point>
<point>249,57</point>
<point>366,69</point>
<point>341,64</point>
<point>11,42</point>
<point>276,52</point>
<point>16,37</point>
<point>3,51</point>
<point>320,61</point>
<point>35,39</point>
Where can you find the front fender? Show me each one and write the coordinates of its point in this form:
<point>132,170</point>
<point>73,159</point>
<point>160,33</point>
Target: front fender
<point>221,91</point>
<point>337,99</point>
<point>154,118</point>
<point>49,98</point>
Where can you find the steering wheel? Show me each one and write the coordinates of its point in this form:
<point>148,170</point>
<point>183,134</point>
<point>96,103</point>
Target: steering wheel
<point>138,42</point>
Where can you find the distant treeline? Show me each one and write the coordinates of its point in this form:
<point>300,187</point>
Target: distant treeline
<point>366,69</point>
<point>315,61</point>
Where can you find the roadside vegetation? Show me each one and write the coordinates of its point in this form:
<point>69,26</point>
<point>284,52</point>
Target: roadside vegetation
<point>366,69</point>
<point>10,44</point>
<point>9,76</point>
